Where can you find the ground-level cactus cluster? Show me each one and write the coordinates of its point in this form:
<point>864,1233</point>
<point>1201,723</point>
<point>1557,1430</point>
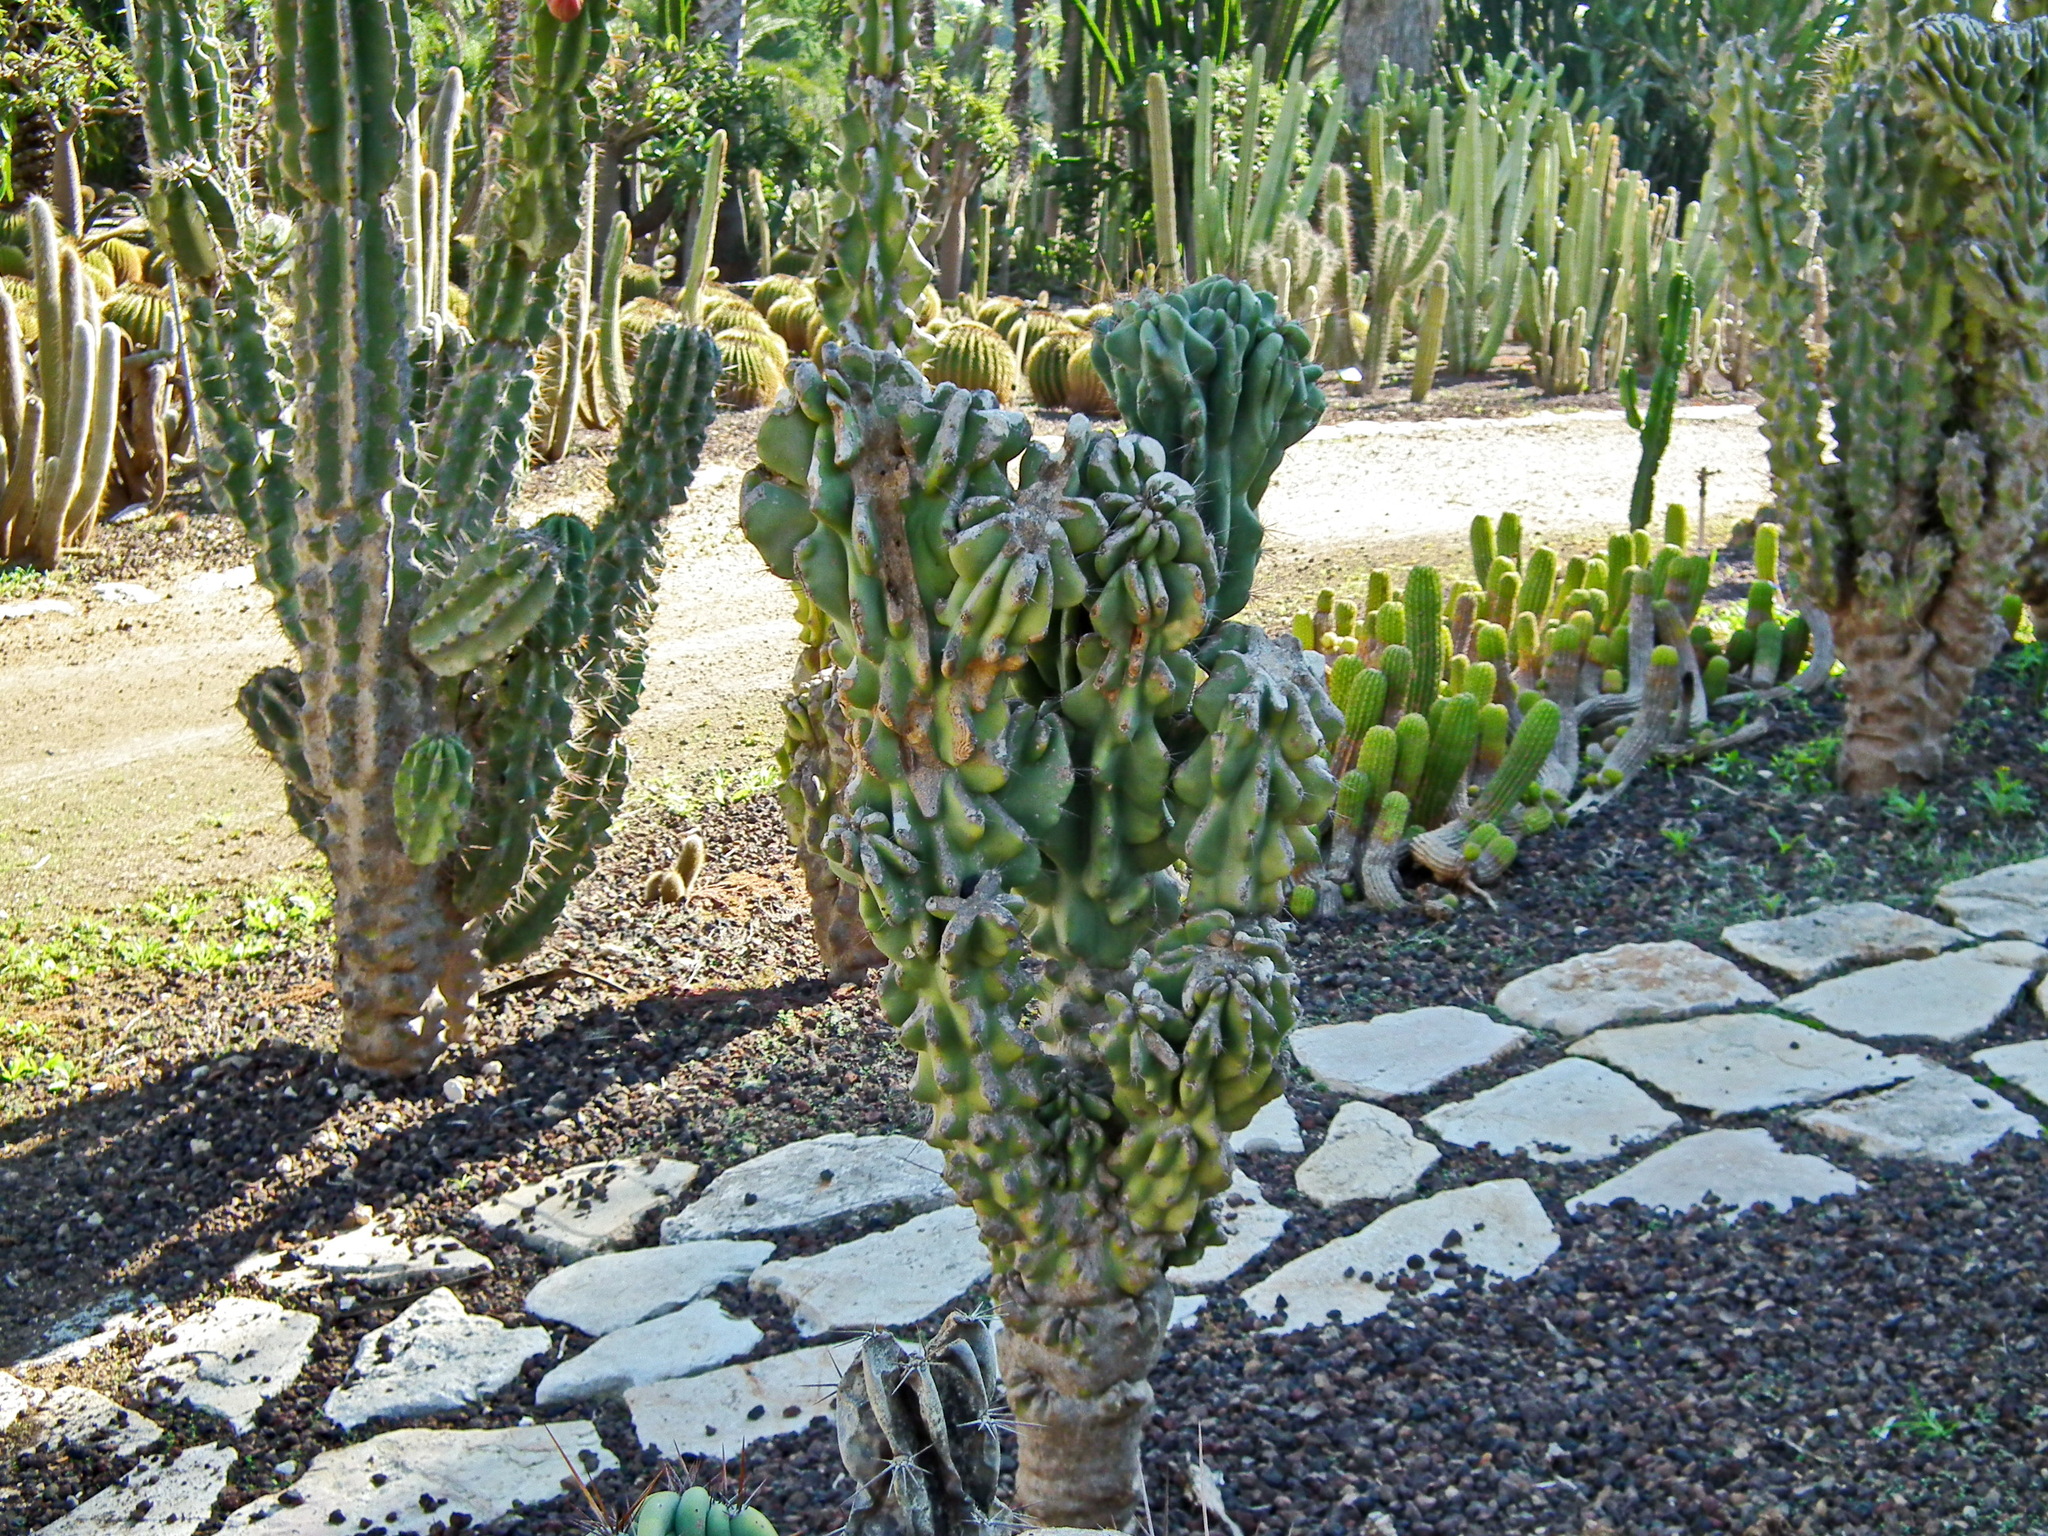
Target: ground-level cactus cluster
<point>919,1434</point>
<point>693,1512</point>
<point>1478,714</point>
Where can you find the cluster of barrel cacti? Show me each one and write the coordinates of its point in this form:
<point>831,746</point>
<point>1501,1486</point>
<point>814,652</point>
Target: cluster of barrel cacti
<point>1899,214</point>
<point>1050,709</point>
<point>90,412</point>
<point>450,736</point>
<point>920,1434</point>
<point>1474,711</point>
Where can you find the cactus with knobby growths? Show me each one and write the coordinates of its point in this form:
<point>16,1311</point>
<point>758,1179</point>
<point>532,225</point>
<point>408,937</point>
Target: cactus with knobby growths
<point>1925,175</point>
<point>450,733</point>
<point>1050,711</point>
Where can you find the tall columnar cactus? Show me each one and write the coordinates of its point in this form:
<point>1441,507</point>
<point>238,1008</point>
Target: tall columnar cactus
<point>450,735</point>
<point>58,419</point>
<point>1051,712</point>
<point>1928,173</point>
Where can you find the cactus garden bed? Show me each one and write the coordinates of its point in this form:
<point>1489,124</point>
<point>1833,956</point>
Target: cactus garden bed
<point>702,1032</point>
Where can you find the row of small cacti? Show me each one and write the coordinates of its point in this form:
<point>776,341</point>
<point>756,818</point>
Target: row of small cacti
<point>1443,693</point>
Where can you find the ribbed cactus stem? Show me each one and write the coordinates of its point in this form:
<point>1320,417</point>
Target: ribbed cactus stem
<point>1423,610</point>
<point>1165,215</point>
<point>704,225</point>
<point>612,380</point>
<point>1429,338</point>
<point>1379,886</point>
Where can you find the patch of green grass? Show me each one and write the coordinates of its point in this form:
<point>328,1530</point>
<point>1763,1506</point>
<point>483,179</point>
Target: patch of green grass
<point>1925,1423</point>
<point>1919,813</point>
<point>1807,767</point>
<point>18,583</point>
<point>183,936</point>
<point>716,786</point>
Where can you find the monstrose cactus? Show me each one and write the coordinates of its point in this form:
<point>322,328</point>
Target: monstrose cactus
<point>450,735</point>
<point>1064,753</point>
<point>1926,173</point>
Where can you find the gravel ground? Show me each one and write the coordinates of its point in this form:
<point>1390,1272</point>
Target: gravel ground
<point>1655,1377</point>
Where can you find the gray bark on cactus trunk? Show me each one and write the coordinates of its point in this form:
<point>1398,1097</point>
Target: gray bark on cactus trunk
<point>1906,686</point>
<point>1401,30</point>
<point>1076,1373</point>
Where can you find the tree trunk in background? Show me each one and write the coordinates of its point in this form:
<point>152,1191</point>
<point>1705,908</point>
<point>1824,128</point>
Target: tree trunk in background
<point>725,20</point>
<point>1401,30</point>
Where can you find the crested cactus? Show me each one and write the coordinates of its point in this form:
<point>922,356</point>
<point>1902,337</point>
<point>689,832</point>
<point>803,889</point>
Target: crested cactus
<point>1050,710</point>
<point>450,734</point>
<point>1923,177</point>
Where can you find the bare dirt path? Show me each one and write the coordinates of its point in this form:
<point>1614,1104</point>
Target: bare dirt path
<point>124,769</point>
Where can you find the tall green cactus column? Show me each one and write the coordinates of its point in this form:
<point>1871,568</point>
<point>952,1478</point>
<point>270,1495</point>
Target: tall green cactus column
<point>1929,166</point>
<point>1049,712</point>
<point>450,735</point>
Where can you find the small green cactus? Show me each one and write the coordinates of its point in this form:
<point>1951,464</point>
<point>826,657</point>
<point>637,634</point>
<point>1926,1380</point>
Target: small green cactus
<point>974,356</point>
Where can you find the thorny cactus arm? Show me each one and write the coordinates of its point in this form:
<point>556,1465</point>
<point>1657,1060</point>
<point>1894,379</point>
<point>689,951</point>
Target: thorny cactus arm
<point>450,739</point>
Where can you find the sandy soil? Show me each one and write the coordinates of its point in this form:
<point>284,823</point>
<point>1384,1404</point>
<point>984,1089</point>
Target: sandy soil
<point>124,769</point>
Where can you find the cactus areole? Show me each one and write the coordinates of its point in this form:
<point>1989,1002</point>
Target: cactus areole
<point>450,733</point>
<point>1928,166</point>
<point>1077,789</point>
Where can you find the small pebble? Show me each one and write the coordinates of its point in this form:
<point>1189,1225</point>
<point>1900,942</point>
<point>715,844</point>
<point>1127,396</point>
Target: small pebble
<point>491,1069</point>
<point>456,1090</point>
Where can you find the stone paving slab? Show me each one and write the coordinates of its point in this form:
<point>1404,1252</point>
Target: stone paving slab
<point>1948,998</point>
<point>1739,1168</point>
<point>164,1496</point>
<point>2024,1063</point>
<point>884,1280</point>
<point>1740,1063</point>
<point>1625,984</point>
<point>16,1398</point>
<point>1250,1225</point>
<point>2010,902</point>
<point>78,1416</point>
<point>808,1183</point>
<point>609,1291</point>
<point>371,1257</point>
<point>1370,1154</point>
<point>1571,1111</point>
<point>715,1414</point>
<point>591,1208</point>
<point>232,1358</point>
<point>1825,940</point>
<point>1937,1116</point>
<point>681,1343</point>
<point>1396,1054</point>
<point>414,1482</point>
<point>434,1357</point>
<point>1499,1226</point>
<point>1275,1128</point>
<point>2012,952</point>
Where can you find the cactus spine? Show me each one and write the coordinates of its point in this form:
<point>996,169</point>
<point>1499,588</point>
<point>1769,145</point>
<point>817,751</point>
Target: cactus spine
<point>1910,536</point>
<point>370,516</point>
<point>1050,710</point>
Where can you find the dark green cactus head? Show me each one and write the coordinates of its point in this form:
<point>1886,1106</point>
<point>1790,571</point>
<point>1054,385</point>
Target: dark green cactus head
<point>1224,382</point>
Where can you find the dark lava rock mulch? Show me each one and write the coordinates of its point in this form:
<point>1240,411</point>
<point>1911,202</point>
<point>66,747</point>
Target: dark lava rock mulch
<point>1864,1366</point>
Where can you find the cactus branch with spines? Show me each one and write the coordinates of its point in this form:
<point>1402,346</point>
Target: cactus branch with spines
<point>450,734</point>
